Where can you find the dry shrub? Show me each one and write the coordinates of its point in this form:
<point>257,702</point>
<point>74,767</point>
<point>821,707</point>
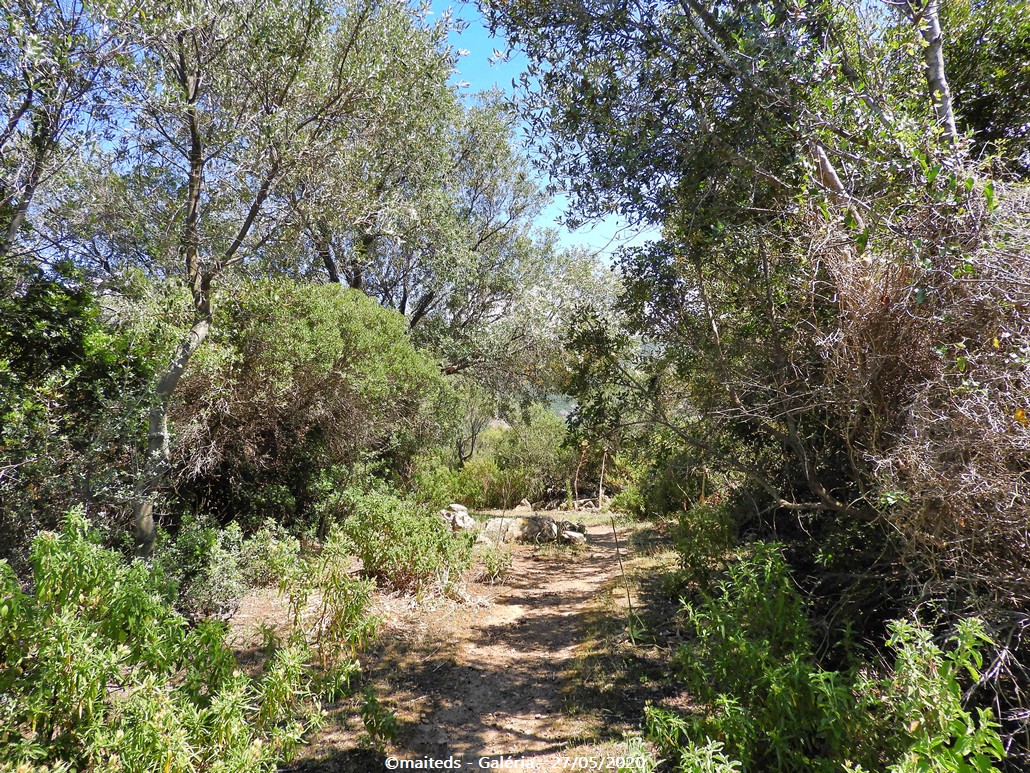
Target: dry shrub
<point>296,381</point>
<point>930,364</point>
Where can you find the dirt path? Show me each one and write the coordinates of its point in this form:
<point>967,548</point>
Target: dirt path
<point>495,675</point>
<point>500,688</point>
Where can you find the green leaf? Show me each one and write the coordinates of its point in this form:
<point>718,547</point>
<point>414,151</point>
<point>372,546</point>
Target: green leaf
<point>862,240</point>
<point>989,195</point>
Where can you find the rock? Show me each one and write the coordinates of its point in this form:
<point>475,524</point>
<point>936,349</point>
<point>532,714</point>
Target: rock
<point>535,529</point>
<point>538,529</point>
<point>573,533</point>
<point>498,530</point>
<point>457,518</point>
<point>570,526</point>
<point>523,507</point>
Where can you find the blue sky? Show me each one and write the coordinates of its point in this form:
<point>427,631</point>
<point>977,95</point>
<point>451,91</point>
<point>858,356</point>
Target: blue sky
<point>476,69</point>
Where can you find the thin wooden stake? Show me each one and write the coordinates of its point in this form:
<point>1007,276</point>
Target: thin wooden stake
<point>625,584</point>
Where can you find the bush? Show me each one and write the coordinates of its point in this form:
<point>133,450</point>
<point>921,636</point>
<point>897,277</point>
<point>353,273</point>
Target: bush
<point>403,543</point>
<point>295,380</point>
<point>496,561</point>
<point>268,556</point>
<point>752,666</point>
<point>72,400</point>
<point>341,624</point>
<point>534,453</point>
<point>437,484</point>
<point>702,536</point>
<point>630,499</point>
<point>490,486</point>
<point>99,672</point>
<point>204,563</point>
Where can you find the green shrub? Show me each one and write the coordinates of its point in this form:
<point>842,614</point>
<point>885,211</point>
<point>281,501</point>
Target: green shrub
<point>927,701</point>
<point>72,395</point>
<point>533,457</point>
<point>751,665</point>
<point>702,536</point>
<point>380,722</point>
<point>204,562</point>
<point>490,486</point>
<point>630,500</point>
<point>653,476</point>
<point>403,543</point>
<point>99,672</point>
<point>496,561</point>
<point>342,623</point>
<point>437,484</point>
<point>293,381</point>
<point>267,556</point>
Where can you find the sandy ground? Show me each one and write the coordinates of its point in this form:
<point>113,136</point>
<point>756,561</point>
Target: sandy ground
<point>488,678</point>
<point>500,687</point>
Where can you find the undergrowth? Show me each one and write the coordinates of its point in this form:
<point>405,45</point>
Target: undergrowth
<point>403,543</point>
<point>98,671</point>
<point>768,705</point>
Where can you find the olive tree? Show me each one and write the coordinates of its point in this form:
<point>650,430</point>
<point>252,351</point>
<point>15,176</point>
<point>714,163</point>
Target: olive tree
<point>228,105</point>
<point>57,60</point>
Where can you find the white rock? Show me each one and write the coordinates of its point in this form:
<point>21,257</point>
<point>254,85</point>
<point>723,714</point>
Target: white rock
<point>458,518</point>
<point>499,530</point>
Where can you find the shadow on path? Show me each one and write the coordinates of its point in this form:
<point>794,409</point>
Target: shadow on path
<point>493,680</point>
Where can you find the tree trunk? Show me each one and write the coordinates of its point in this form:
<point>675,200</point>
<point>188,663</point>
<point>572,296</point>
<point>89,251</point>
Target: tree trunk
<point>422,308</point>
<point>323,239</point>
<point>925,15</point>
<point>155,464</point>
<point>830,180</point>
<point>354,271</point>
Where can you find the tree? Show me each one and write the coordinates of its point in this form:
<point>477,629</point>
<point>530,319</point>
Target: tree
<point>925,15</point>
<point>820,233</point>
<point>57,59</point>
<point>231,105</point>
<point>987,51</point>
<point>441,222</point>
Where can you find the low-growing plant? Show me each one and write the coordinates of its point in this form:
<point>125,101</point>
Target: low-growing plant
<point>436,483</point>
<point>340,624</point>
<point>403,543</point>
<point>204,561</point>
<point>267,556</point>
<point>927,701</point>
<point>99,672</point>
<point>496,562</point>
<point>708,758</point>
<point>379,721</point>
<point>629,499</point>
<point>772,707</point>
<point>637,757</point>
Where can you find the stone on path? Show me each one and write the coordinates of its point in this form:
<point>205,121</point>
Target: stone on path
<point>457,518</point>
<point>535,529</point>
